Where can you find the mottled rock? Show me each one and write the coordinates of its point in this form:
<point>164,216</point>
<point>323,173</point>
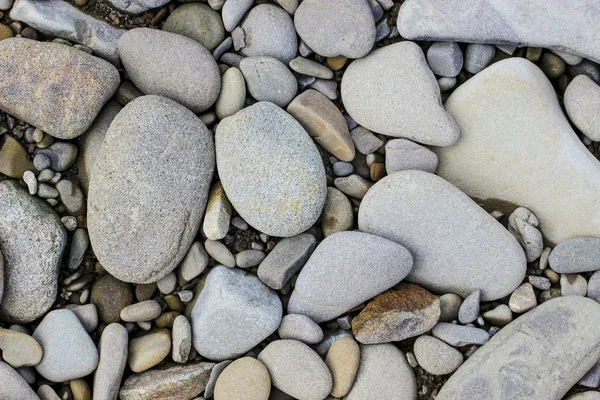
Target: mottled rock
<point>449,307</point>
<point>233,11</point>
<point>218,213</point>
<point>469,309</point>
<point>337,213</point>
<point>445,58</point>
<point>572,285</point>
<point>499,316</point>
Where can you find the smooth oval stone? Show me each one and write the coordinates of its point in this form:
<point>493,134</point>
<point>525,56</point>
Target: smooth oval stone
<point>244,379</point>
<point>435,356</point>
<point>147,196</point>
<point>269,79</point>
<point>234,312</point>
<point>233,93</point>
<point>582,103</point>
<point>271,170</point>
<point>346,269</point>
<point>112,349</point>
<point>457,246</point>
<point>392,91</point>
<point>32,241</point>
<point>558,338</point>
<point>351,33</point>
<point>517,148</point>
<point>197,21</point>
<point>14,387</point>
<point>343,360</point>
<point>576,255</point>
<point>171,65</point>
<point>57,88</point>
<point>19,349</point>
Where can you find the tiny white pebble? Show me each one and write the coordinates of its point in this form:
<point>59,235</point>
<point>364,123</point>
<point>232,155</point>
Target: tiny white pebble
<point>69,222</point>
<point>186,295</point>
<point>31,181</point>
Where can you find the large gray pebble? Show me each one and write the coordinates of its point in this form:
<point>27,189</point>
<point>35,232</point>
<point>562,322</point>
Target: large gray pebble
<point>197,21</point>
<point>136,7</point>
<point>14,387</point>
<point>171,65</point>
<point>334,28</point>
<point>576,255</point>
<point>62,155</point>
<point>271,170</point>
<point>402,154</point>
<point>150,188</point>
<point>300,327</point>
<point>234,312</point>
<point>113,349</point>
<point>435,356</point>
<point>32,241</point>
<point>269,79</point>
<point>582,102</point>
<point>458,246</point>
<point>233,11</point>
<point>445,59</point>
<point>559,338</point>
<point>346,269</point>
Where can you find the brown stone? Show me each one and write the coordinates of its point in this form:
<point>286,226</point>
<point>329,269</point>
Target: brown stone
<point>14,160</point>
<point>5,32</point>
<point>377,171</point>
<point>19,349</point>
<point>147,351</point>
<point>336,63</point>
<point>80,389</point>
<point>145,291</point>
<point>166,319</point>
<point>110,296</point>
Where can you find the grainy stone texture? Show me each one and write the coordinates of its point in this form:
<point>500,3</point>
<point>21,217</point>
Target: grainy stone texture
<point>112,349</point>
<point>383,91</point>
<point>343,359</point>
<point>346,269</point>
<point>523,23</point>
<point>582,102</point>
<point>20,349</point>
<point>233,93</point>
<point>517,148</point>
<point>32,241</point>
<point>402,154</point>
<point>149,350</point>
<point>244,379</point>
<point>136,7</point>
<point>269,79</point>
<point>435,356</point>
<point>459,335</point>
<point>449,307</point>
<point>110,296</point>
<point>197,21</point>
<point>576,255</point>
<point>300,327</point>
<point>337,213</point>
<point>445,59</point>
<point>54,87</point>
<point>140,235</point>
<point>458,247</point>
<point>233,11</point>
<point>171,65</point>
<point>14,387</point>
<point>276,194</point>
<point>218,213</point>
<point>558,338</point>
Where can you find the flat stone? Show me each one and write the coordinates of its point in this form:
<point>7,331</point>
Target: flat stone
<point>220,253</point>
<point>244,379</point>
<point>309,67</point>
<point>233,11</point>
<point>576,255</point>
<point>194,262</point>
<point>435,356</point>
<point>346,269</point>
<point>522,299</point>
<point>110,296</point>
<point>310,378</point>
<point>458,335</point>
<point>469,309</point>
<point>557,338</point>
<point>174,382</point>
<point>405,311</point>
<point>572,285</point>
<point>499,316</point>
<point>523,23</point>
<point>445,58</point>
<point>503,135</point>
<point>32,241</point>
<point>300,327</point>
<point>40,97</point>
<point>234,312</point>
<point>288,196</point>
<point>14,387</point>
<point>402,154</point>
<point>112,348</point>
<point>582,103</point>
<point>136,7</point>
<point>249,258</point>
<point>232,97</point>
<point>351,33</point>
<point>182,339</point>
<point>268,79</point>
<point>218,212</point>
<point>171,65</point>
<point>383,373</point>
<point>19,349</point>
<point>143,311</point>
<point>343,359</point>
<point>337,213</point>
<point>14,160</point>
<point>164,219</point>
<point>392,91</point>
<point>449,307</point>
<point>64,360</point>
<point>464,250</point>
<point>353,185</point>
<point>364,140</point>
<point>61,19</point>
<point>149,350</point>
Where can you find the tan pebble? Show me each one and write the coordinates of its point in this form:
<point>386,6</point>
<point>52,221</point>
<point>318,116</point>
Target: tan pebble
<point>377,171</point>
<point>244,379</point>
<point>5,32</point>
<point>80,389</point>
<point>19,349</point>
<point>336,63</point>
<point>147,351</point>
<point>13,157</point>
<point>342,360</point>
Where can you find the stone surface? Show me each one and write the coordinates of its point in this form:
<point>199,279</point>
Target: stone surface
<point>576,255</point>
<point>445,59</point>
<point>174,382</point>
<point>136,7</point>
<point>503,134</point>
<point>307,67</point>
<point>523,224</point>
<point>146,310</point>
<point>61,19</point>
<point>523,23</point>
<point>197,21</point>
<point>32,241</point>
<point>269,79</point>
<point>218,212</point>
<point>149,350</point>
<point>337,213</point>
<point>365,141</point>
<point>234,312</point>
<point>62,156</point>
<point>14,387</point>
<point>499,316</point>
<point>435,356</point>
<point>582,103</point>
<point>220,253</point>
<point>479,56</point>
<point>392,91</point>
<point>110,296</point>
<point>233,93</point>
<point>558,338</point>
<point>287,257</point>
<point>300,327</point>
<point>171,65</point>
<point>14,160</point>
<point>402,154</point>
<point>296,369</point>
<point>244,379</point>
<point>214,375</point>
<point>572,285</point>
<point>449,307</point>
<point>354,186</point>
<point>288,196</point>
<point>403,312</point>
<point>233,11</point>
<point>469,309</point>
<point>62,90</point>
<point>182,339</point>
<point>324,122</point>
<point>458,335</point>
<point>112,349</point>
<point>590,395</point>
<point>19,349</point>
<point>464,250</point>
<point>343,359</point>
<point>165,218</point>
<point>383,374</point>
<point>351,33</point>
<point>194,263</point>
<point>64,360</point>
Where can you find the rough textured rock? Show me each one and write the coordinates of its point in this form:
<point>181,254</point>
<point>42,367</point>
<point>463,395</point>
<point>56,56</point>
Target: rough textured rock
<point>582,103</point>
<point>576,255</point>
<point>58,89</point>
<point>457,246</point>
<point>392,91</point>
<point>14,387</point>
<point>557,338</point>
<point>32,241</point>
<point>288,194</point>
<point>346,269</point>
<point>517,148</point>
<point>171,65</point>
<point>141,234</point>
<point>136,7</point>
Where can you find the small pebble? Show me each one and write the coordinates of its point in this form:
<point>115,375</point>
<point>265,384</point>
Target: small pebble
<point>143,311</point>
<point>435,356</point>
<point>479,56</point>
<point>194,262</point>
<point>522,299</point>
<point>31,181</point>
<point>311,68</point>
<point>69,222</point>
<point>300,327</point>
<point>449,307</point>
<point>499,316</point>
<point>220,253</point>
<point>41,161</point>
<point>249,258</point>
<point>445,58</point>
<point>539,282</point>
<point>573,285</point>
<point>167,284</point>
<point>353,186</point>
<point>182,339</point>
<point>469,309</point>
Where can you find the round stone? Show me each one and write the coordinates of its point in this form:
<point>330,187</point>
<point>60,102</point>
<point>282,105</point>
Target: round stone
<point>269,79</point>
<point>147,351</point>
<point>233,93</point>
<point>300,327</point>
<point>110,296</point>
<point>337,213</point>
<point>197,21</point>
<point>435,356</point>
<point>343,360</point>
<point>244,379</point>
<point>445,59</point>
<point>582,103</point>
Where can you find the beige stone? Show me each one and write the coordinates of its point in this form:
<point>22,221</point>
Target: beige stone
<point>342,360</point>
<point>218,213</point>
<point>337,213</point>
<point>14,160</point>
<point>244,379</point>
<point>19,349</point>
<point>80,389</point>
<point>147,351</point>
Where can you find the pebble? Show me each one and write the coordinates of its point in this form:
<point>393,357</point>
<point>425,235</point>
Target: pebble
<point>478,57</point>
<point>220,253</point>
<point>234,312</point>
<point>327,87</point>
<point>557,338</point>
<point>324,122</point>
<point>32,240</point>
<point>269,32</point>
<point>147,351</point>
<point>311,378</point>
<point>143,311</point>
<point>46,191</point>
<point>522,299</point>
<point>350,34</point>
<point>136,7</point>
<point>249,258</point>
<point>346,269</point>
<point>69,222</point>
<point>591,395</point>
<point>46,392</point>
<point>79,245</point>
<point>576,255</point>
<point>182,339</point>
<point>469,309</point>
<point>167,284</point>
<point>14,160</point>
<point>80,389</point>
<point>337,214</point>
<point>343,360</point>
<point>194,263</point>
<point>5,5</point>
<point>308,67</point>
<point>41,162</point>
<point>436,357</point>
<point>170,65</point>
<point>572,285</point>
<point>499,316</point>
<point>244,379</point>
<point>87,314</point>
<point>582,103</point>
<point>64,360</point>
<point>341,168</point>
<point>446,84</point>
<point>174,382</point>
<point>523,224</point>
<point>402,154</point>
<point>197,21</point>
<point>214,375</point>
<point>300,327</point>
<point>233,93</point>
<point>71,197</point>
<point>539,282</point>
<point>445,59</point>
<point>449,307</point>
<point>586,67</point>
<point>172,211</point>
<point>110,296</point>
<point>354,186</point>
<point>20,349</point>
<point>364,140</point>
<point>233,11</point>
<point>269,79</point>
<point>14,387</point>
<point>287,258</point>
<point>288,198</point>
<point>552,65</point>
<point>592,377</point>
<point>458,335</point>
<point>218,212</point>
<point>329,337</point>
<point>593,290</point>
<point>405,311</point>
<point>383,373</point>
